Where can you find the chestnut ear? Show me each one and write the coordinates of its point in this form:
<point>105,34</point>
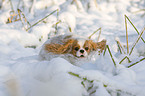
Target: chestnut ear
<point>60,48</point>
<point>98,45</point>
<point>101,45</point>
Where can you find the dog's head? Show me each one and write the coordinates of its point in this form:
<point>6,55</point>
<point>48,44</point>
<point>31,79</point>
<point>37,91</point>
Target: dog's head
<point>79,47</point>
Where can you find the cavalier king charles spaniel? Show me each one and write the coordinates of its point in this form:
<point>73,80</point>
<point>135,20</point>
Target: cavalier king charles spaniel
<point>70,47</point>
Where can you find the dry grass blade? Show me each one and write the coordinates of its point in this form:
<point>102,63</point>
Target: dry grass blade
<point>56,23</point>
<point>11,5</point>
<point>126,35</point>
<point>1,4</point>
<point>120,47</point>
<point>138,11</point>
<point>124,59</point>
<point>104,51</point>
<point>136,62</point>
<point>56,27</point>
<point>70,30</point>
<point>137,41</point>
<point>77,4</point>
<point>41,20</point>
<point>99,34</point>
<point>134,27</point>
<point>16,17</point>
<point>99,29</point>
<point>20,13</point>
<point>84,79</point>
<point>106,84</point>
<point>107,47</point>
<point>96,4</point>
<point>18,4</point>
<point>13,17</point>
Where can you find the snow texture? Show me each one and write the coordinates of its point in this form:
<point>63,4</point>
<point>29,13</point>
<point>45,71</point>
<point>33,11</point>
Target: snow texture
<point>19,48</point>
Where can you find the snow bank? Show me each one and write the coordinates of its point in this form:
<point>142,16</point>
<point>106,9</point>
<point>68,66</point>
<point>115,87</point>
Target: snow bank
<point>98,77</point>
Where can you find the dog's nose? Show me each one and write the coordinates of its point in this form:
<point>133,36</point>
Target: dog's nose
<point>82,51</point>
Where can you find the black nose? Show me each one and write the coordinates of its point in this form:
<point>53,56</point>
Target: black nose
<point>82,51</point>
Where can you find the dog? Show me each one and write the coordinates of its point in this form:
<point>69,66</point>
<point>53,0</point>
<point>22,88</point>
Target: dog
<point>70,47</point>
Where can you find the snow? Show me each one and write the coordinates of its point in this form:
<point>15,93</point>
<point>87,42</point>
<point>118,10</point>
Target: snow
<point>19,48</point>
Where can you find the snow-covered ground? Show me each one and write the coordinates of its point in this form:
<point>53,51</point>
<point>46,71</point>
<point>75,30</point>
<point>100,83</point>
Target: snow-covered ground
<point>19,48</point>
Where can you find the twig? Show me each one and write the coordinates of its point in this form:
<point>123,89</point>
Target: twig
<point>126,35</point>
<point>137,41</point>
<point>95,32</point>
<point>107,47</point>
<point>136,62</point>
<point>41,20</point>
<point>124,59</point>
<point>134,27</point>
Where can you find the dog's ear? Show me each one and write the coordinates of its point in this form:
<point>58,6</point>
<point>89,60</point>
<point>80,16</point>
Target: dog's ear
<point>101,45</point>
<point>98,46</point>
<point>60,48</point>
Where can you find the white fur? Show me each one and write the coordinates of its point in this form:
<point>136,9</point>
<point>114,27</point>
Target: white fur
<point>44,55</point>
<point>81,42</point>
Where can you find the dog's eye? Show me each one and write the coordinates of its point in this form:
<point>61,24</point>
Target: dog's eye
<point>76,48</point>
<point>86,48</point>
